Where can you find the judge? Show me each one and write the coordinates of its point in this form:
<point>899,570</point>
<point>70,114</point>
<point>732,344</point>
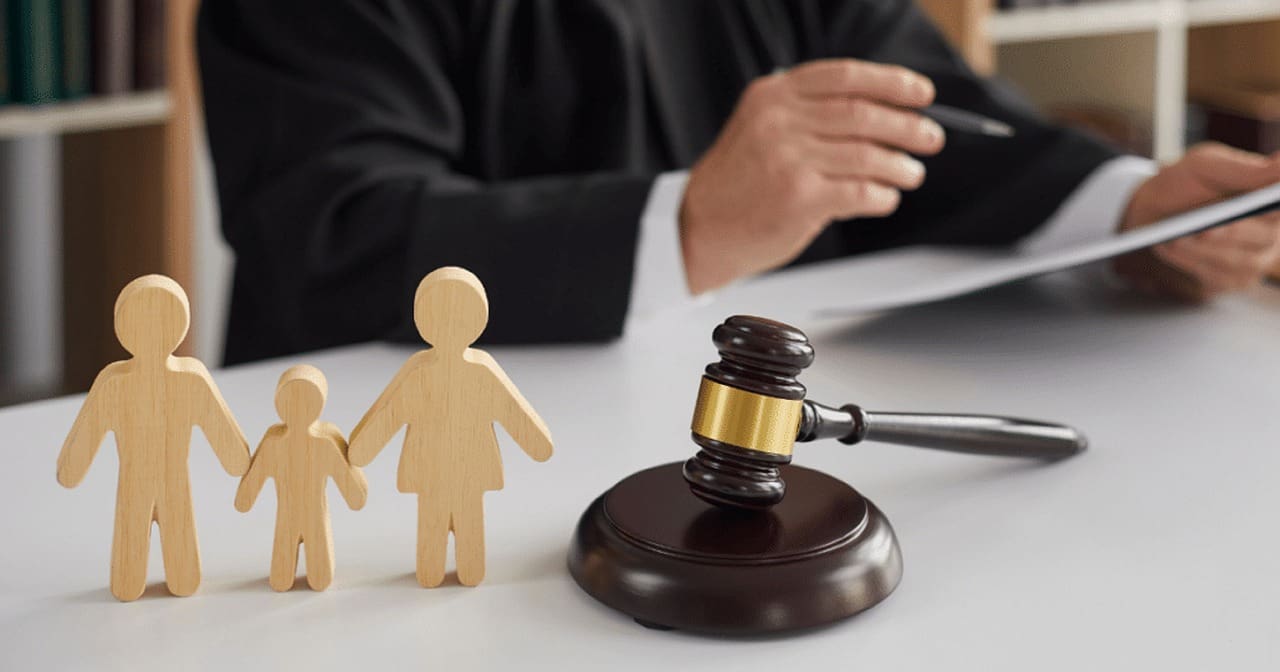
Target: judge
<point>595,160</point>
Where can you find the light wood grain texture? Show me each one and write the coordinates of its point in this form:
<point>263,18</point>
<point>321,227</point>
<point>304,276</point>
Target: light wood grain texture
<point>1240,56</point>
<point>301,454</point>
<point>964,22</point>
<point>151,402</point>
<point>449,397</point>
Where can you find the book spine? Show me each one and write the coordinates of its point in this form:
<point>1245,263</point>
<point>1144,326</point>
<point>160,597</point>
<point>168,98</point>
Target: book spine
<point>149,44</point>
<point>6,60</point>
<point>112,53</point>
<point>33,24</point>
<point>75,48</point>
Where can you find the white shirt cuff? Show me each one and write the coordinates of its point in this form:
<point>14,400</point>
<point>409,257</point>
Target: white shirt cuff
<point>1093,211</point>
<point>658,284</point>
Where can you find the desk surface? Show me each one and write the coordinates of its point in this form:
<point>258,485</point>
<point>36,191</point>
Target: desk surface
<point>1155,550</point>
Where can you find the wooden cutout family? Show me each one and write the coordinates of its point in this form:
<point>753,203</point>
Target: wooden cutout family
<point>448,397</point>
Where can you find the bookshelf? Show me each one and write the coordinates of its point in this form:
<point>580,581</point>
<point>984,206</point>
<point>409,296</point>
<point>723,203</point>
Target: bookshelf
<point>86,114</point>
<point>1120,16</point>
<point>1180,45</point>
<point>126,179</point>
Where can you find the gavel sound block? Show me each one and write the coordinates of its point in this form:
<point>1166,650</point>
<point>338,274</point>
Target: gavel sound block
<point>739,541</point>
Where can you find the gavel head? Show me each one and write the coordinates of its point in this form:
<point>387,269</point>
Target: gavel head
<point>748,413</point>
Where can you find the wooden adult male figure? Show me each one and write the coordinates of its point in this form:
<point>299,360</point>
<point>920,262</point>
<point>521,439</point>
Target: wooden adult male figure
<point>450,396</point>
<point>151,401</point>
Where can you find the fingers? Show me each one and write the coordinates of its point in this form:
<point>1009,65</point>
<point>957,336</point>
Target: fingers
<point>859,118</point>
<point>865,160</point>
<point>1208,262</point>
<point>890,84</point>
<point>1255,234</point>
<point>846,199</point>
<point>1209,276</point>
<point>1228,170</point>
<point>1208,173</point>
<point>1196,268</point>
<point>1234,257</point>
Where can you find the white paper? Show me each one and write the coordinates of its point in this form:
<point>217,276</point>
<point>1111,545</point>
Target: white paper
<point>914,275</point>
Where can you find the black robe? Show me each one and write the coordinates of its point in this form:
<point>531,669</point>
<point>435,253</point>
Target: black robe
<point>359,144</point>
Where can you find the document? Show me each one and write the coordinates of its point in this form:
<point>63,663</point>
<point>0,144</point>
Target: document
<point>914,275</point>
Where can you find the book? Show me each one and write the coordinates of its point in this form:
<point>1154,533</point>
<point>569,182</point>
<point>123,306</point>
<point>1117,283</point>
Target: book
<point>6,41</point>
<point>148,44</point>
<point>112,51</point>
<point>75,49</point>
<point>35,40</point>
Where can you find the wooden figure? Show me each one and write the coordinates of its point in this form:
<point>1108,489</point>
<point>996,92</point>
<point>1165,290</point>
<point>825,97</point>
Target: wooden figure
<point>301,454</point>
<point>449,397</point>
<point>151,401</point>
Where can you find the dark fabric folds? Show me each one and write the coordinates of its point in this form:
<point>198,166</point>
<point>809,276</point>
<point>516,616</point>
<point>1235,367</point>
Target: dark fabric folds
<point>358,144</point>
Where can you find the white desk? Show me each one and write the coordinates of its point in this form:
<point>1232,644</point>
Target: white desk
<point>1158,549</point>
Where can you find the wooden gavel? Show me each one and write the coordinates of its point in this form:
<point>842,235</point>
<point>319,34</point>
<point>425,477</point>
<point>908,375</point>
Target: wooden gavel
<point>751,410</point>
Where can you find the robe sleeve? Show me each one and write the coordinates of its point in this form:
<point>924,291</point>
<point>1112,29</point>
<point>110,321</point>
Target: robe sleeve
<point>336,134</point>
<point>979,190</point>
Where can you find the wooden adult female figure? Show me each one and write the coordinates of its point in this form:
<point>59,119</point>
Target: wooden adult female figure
<point>449,397</point>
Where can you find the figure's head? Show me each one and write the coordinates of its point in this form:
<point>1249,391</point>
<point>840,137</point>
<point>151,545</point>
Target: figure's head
<point>300,395</point>
<point>152,316</point>
<point>450,308</point>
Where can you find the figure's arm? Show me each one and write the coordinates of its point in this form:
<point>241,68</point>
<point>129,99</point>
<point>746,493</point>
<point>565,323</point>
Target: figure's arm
<point>87,432</point>
<point>515,414</point>
<point>214,418</point>
<point>350,480</point>
<point>260,467</point>
<point>380,422</point>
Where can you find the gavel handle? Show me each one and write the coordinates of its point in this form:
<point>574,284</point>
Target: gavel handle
<point>974,434</point>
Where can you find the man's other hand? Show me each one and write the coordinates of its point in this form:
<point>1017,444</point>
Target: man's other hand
<point>826,140</point>
<point>1230,257</point>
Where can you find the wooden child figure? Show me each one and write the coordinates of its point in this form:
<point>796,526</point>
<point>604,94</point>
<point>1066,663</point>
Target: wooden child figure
<point>301,454</point>
<point>449,397</point>
<point>151,401</point>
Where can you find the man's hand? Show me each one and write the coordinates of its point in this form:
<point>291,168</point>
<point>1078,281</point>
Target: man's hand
<point>1195,268</point>
<point>824,141</point>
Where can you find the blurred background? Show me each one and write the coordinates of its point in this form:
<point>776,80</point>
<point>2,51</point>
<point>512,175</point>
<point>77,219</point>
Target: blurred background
<point>104,173</point>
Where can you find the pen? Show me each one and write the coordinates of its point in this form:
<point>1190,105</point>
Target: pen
<point>968,122</point>
<point>957,119</point>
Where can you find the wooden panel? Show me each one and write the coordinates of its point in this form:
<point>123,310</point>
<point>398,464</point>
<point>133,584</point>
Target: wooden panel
<point>1236,53</point>
<point>179,146</point>
<point>113,228</point>
<point>127,211</point>
<point>964,23</point>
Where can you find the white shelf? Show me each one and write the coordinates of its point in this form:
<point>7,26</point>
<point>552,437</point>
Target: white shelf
<point>1167,20</point>
<point>1212,12</point>
<point>1050,23</point>
<point>1122,16</point>
<point>88,114</point>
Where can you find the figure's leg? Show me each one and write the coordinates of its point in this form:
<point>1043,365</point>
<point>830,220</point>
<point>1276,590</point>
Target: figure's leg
<point>284,554</point>
<point>318,542</point>
<point>468,539</point>
<point>433,539</point>
<point>131,545</point>
<point>178,543</point>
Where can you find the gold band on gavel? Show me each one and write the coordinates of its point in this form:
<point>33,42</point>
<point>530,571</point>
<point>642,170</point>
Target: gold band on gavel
<point>746,419</point>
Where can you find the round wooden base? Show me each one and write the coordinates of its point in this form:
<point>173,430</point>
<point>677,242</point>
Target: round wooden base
<point>652,550</point>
